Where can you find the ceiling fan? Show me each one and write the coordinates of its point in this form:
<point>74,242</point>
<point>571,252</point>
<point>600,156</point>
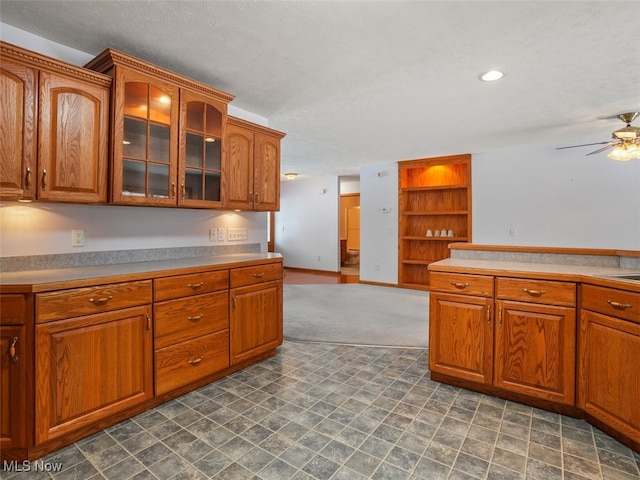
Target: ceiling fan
<point>625,143</point>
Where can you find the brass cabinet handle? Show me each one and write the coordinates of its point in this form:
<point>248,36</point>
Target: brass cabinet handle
<point>195,285</point>
<point>258,275</point>
<point>148,322</point>
<point>619,306</point>
<point>183,190</point>
<point>100,301</point>
<point>460,285</point>
<point>233,300</point>
<point>488,313</point>
<point>173,189</point>
<point>27,179</point>
<point>195,318</point>
<point>44,179</point>
<point>500,317</point>
<point>196,361</point>
<point>12,350</point>
<point>534,293</point>
<point>255,198</point>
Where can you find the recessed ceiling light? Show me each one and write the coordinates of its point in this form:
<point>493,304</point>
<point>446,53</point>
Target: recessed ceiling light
<point>491,76</point>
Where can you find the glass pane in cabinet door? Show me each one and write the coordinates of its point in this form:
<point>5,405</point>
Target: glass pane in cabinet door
<point>195,115</point>
<point>159,106</point>
<point>212,186</point>
<point>134,139</point>
<point>133,178</point>
<point>136,99</point>
<point>214,122</point>
<point>159,141</point>
<point>193,184</point>
<point>194,150</point>
<point>212,159</point>
<point>159,180</point>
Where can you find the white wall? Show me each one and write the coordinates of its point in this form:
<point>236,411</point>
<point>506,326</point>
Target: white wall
<point>41,228</point>
<point>379,223</point>
<point>349,185</point>
<point>306,227</point>
<point>556,198</point>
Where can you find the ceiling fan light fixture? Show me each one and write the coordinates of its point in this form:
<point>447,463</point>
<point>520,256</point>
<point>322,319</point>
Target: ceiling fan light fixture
<point>491,76</point>
<point>625,152</point>
<point>290,176</point>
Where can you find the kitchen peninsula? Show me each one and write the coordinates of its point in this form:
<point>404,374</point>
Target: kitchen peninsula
<point>557,329</point>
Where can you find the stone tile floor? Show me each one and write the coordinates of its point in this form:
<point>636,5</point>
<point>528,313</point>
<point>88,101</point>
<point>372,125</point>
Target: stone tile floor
<point>320,411</point>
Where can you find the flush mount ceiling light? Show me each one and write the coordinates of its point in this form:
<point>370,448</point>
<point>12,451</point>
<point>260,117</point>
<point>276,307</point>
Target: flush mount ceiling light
<point>290,176</point>
<point>491,76</point>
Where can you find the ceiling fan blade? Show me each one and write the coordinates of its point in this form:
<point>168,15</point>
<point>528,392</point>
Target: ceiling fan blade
<point>583,145</point>
<point>611,145</point>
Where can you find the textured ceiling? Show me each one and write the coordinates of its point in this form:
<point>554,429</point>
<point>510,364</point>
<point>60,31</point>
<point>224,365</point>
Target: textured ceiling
<point>362,82</point>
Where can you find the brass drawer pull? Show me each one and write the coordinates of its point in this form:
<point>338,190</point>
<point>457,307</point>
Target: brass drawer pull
<point>44,179</point>
<point>195,285</point>
<point>534,293</point>
<point>12,350</point>
<point>100,301</point>
<point>195,318</point>
<point>258,275</point>
<point>196,361</point>
<point>27,185</point>
<point>619,306</point>
<point>460,285</point>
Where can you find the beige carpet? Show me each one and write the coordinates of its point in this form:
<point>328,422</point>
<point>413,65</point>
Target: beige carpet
<point>358,314</point>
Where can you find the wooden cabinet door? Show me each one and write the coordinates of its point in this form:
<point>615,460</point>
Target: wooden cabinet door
<point>144,140</point>
<point>90,368</point>
<point>13,386</point>
<point>238,170</point>
<point>18,118</point>
<point>609,371</point>
<point>202,121</point>
<point>266,173</point>
<point>535,350</point>
<point>461,337</point>
<point>255,323</point>
<point>72,140</point>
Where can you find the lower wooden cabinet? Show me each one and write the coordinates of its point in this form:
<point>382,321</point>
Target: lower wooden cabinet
<point>91,367</point>
<point>15,363</point>
<point>461,336</point>
<point>74,360</point>
<point>516,343</point>
<point>609,359</point>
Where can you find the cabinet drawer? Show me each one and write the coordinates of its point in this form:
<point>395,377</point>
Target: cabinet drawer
<point>84,301</point>
<point>479,285</point>
<point>186,362</point>
<point>611,301</point>
<point>14,309</point>
<point>192,317</point>
<point>258,274</point>
<point>547,292</point>
<point>194,284</point>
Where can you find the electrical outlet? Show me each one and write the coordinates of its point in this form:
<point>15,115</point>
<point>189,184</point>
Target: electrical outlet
<point>513,232</point>
<point>222,234</point>
<point>213,234</point>
<point>77,238</point>
<point>235,234</point>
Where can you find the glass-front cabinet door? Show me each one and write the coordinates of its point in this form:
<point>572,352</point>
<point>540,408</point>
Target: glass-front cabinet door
<point>200,167</point>
<point>145,141</point>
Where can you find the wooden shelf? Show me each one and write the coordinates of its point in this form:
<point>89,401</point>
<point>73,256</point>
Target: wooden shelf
<point>437,212</point>
<point>434,239</point>
<point>434,194</point>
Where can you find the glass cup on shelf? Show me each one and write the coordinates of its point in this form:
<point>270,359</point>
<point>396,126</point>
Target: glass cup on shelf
<point>429,233</point>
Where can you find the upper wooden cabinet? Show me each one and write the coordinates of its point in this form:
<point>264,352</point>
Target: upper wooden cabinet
<point>166,134</point>
<point>53,129</point>
<point>252,170</point>
<point>435,209</point>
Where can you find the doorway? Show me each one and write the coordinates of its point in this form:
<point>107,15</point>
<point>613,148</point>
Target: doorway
<point>350,234</point>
